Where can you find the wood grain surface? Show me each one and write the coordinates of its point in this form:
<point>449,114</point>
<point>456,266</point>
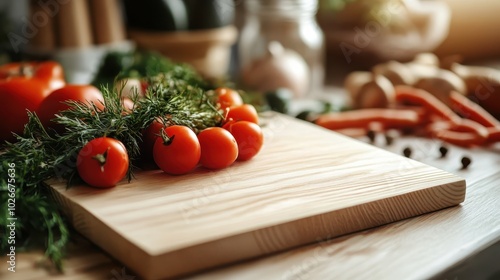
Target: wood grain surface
<point>307,184</point>
<point>422,247</point>
<point>419,248</point>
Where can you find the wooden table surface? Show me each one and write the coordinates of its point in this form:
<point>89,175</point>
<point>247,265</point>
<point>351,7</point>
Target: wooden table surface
<point>446,244</point>
<point>416,248</point>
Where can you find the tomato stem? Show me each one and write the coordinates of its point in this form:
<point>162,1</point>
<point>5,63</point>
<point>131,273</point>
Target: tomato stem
<point>166,140</point>
<point>101,158</point>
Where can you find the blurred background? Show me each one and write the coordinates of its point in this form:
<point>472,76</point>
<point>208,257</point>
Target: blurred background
<point>303,45</point>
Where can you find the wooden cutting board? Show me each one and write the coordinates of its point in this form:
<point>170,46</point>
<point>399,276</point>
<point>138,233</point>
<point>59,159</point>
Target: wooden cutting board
<point>307,184</point>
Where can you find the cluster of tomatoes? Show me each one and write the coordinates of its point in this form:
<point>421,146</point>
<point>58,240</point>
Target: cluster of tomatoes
<point>37,87</point>
<point>176,149</point>
<point>103,162</point>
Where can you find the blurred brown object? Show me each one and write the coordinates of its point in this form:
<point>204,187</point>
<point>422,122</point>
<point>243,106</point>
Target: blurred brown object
<point>73,25</point>
<point>473,30</point>
<point>107,21</point>
<point>207,50</point>
<point>386,29</point>
<point>44,39</point>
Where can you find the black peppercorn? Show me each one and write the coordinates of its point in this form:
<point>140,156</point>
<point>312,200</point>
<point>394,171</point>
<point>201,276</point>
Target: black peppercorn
<point>443,150</point>
<point>388,140</point>
<point>371,135</point>
<point>466,161</point>
<point>407,152</point>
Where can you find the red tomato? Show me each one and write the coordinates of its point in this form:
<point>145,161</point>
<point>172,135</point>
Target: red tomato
<point>218,148</point>
<point>52,72</point>
<point>19,94</point>
<point>23,86</point>
<point>245,112</point>
<point>178,154</point>
<point>227,98</point>
<point>55,102</point>
<point>13,69</point>
<point>248,136</point>
<point>102,162</point>
<point>49,72</point>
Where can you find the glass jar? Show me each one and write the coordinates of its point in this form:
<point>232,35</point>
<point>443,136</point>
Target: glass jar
<point>291,23</point>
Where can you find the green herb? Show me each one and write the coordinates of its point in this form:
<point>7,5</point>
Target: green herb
<point>40,155</point>
<point>279,100</point>
<point>144,65</point>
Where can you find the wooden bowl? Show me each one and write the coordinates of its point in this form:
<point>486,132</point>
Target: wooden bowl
<point>208,51</point>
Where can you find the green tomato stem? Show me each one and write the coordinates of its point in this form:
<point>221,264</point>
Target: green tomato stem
<point>101,158</point>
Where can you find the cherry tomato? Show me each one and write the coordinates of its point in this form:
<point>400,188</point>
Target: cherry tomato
<point>102,162</point>
<point>218,148</point>
<point>179,152</point>
<point>55,102</point>
<point>227,98</point>
<point>245,112</point>
<point>248,136</point>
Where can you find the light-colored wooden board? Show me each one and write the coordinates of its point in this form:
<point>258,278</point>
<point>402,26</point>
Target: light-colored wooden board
<point>305,185</point>
<point>416,248</point>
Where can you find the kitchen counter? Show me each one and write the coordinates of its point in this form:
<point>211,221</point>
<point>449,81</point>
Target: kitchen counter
<point>453,243</point>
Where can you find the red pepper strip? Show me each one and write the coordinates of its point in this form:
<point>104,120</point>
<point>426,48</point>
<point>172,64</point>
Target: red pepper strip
<point>434,127</point>
<point>414,96</point>
<point>470,110</point>
<point>466,125</point>
<point>464,139</point>
<point>389,118</point>
<point>493,134</point>
<point>422,112</point>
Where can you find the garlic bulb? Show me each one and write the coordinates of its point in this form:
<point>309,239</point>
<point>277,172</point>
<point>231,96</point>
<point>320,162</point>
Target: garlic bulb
<point>278,68</point>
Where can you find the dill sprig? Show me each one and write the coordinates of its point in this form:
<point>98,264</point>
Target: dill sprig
<point>40,154</point>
